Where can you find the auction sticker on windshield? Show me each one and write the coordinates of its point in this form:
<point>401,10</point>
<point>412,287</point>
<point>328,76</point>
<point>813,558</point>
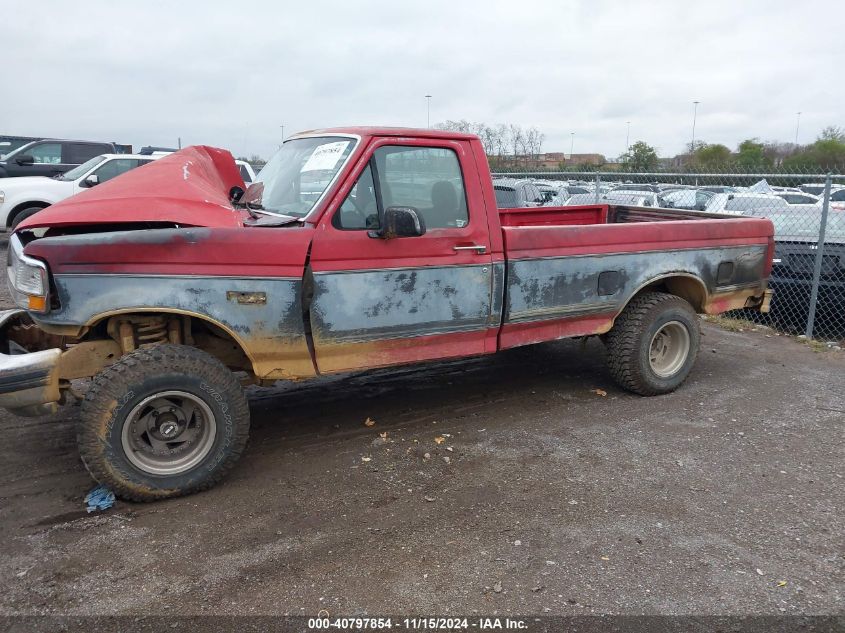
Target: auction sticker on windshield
<point>326,156</point>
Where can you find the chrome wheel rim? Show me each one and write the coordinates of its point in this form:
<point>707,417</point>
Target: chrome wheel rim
<point>669,349</point>
<point>168,433</point>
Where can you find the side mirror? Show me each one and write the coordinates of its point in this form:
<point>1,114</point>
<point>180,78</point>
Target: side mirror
<point>400,222</point>
<point>24,159</point>
<point>235,194</point>
<point>90,181</point>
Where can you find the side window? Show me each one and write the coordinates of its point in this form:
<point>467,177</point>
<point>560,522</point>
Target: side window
<point>113,168</point>
<point>46,153</point>
<point>359,210</point>
<point>78,153</point>
<point>245,174</point>
<point>428,179</point>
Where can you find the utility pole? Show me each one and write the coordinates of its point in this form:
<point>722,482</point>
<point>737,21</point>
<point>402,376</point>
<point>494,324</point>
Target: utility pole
<point>694,115</point>
<point>428,111</point>
<point>797,125</point>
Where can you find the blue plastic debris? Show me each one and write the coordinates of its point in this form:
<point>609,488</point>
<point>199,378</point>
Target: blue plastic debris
<point>100,498</point>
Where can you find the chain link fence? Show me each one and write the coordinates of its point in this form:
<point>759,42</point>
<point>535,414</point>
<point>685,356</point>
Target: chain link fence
<point>808,212</point>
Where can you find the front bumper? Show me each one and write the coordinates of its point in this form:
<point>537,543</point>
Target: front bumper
<point>29,381</point>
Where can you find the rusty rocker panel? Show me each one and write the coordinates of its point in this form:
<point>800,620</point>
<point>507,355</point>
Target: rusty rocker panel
<point>269,330</point>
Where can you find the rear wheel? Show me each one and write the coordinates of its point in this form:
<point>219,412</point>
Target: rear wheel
<point>163,421</point>
<point>653,344</point>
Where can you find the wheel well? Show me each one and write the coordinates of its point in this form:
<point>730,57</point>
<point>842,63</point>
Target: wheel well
<point>137,329</point>
<point>25,205</point>
<point>687,287</point>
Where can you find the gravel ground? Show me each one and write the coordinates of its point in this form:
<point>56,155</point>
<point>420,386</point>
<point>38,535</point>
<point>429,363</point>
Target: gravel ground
<point>521,483</point>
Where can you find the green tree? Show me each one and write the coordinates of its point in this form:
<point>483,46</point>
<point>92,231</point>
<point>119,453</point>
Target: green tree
<point>751,155</point>
<point>640,157</point>
<point>711,157</point>
<point>832,133</point>
<point>826,154</point>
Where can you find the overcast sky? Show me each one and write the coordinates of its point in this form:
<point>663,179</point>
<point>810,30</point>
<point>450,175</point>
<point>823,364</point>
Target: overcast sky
<point>231,75</point>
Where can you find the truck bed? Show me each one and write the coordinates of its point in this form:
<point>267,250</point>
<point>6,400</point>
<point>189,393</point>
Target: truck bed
<point>571,270</point>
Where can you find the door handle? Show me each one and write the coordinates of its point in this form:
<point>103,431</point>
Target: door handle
<point>480,250</point>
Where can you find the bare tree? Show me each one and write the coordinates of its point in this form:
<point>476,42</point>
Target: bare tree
<point>502,139</point>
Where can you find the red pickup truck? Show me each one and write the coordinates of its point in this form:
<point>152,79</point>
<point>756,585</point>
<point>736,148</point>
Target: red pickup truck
<point>172,287</point>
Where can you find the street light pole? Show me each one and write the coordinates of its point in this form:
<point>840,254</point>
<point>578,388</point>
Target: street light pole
<point>628,138</point>
<point>797,125</point>
<point>428,111</point>
<point>694,115</point>
<point>571,144</point>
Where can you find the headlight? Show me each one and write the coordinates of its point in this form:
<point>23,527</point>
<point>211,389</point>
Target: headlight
<point>28,279</point>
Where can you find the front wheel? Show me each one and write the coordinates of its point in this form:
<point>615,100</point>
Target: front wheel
<point>163,421</point>
<point>23,215</point>
<point>653,344</point>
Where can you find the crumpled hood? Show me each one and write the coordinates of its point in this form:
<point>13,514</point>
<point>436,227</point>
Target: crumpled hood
<point>189,187</point>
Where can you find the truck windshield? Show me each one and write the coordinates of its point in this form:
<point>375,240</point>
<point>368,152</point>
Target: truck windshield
<point>300,172</point>
<point>81,170</point>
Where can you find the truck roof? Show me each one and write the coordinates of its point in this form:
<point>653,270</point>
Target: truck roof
<point>387,131</point>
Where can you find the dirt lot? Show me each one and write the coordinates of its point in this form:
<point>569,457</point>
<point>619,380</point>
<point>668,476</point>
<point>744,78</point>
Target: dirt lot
<point>505,484</point>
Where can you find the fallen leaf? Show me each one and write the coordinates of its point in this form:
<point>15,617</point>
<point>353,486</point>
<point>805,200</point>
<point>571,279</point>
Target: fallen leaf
<point>383,435</point>
<point>429,498</point>
<point>369,422</point>
<point>366,459</point>
<point>782,583</point>
<point>759,572</point>
<point>605,558</point>
<point>439,439</point>
<point>599,392</point>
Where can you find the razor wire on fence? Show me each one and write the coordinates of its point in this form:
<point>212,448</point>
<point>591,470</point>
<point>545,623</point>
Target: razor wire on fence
<point>807,210</point>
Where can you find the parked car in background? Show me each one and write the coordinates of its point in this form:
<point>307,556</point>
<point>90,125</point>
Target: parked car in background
<point>149,150</point>
<point>512,193</point>
<point>622,198</point>
<point>625,196</point>
<point>50,157</point>
<point>627,187</point>
<point>799,197</point>
<point>23,197</point>
<point>817,188</point>
<point>689,199</point>
<point>796,247</point>
<point>247,171</point>
<point>745,203</point>
<point>9,143</point>
<point>719,188</point>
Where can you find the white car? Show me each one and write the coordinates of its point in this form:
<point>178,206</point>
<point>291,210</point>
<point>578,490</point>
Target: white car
<point>25,196</point>
<point>746,203</point>
<point>799,197</point>
<point>248,172</point>
<point>632,199</point>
